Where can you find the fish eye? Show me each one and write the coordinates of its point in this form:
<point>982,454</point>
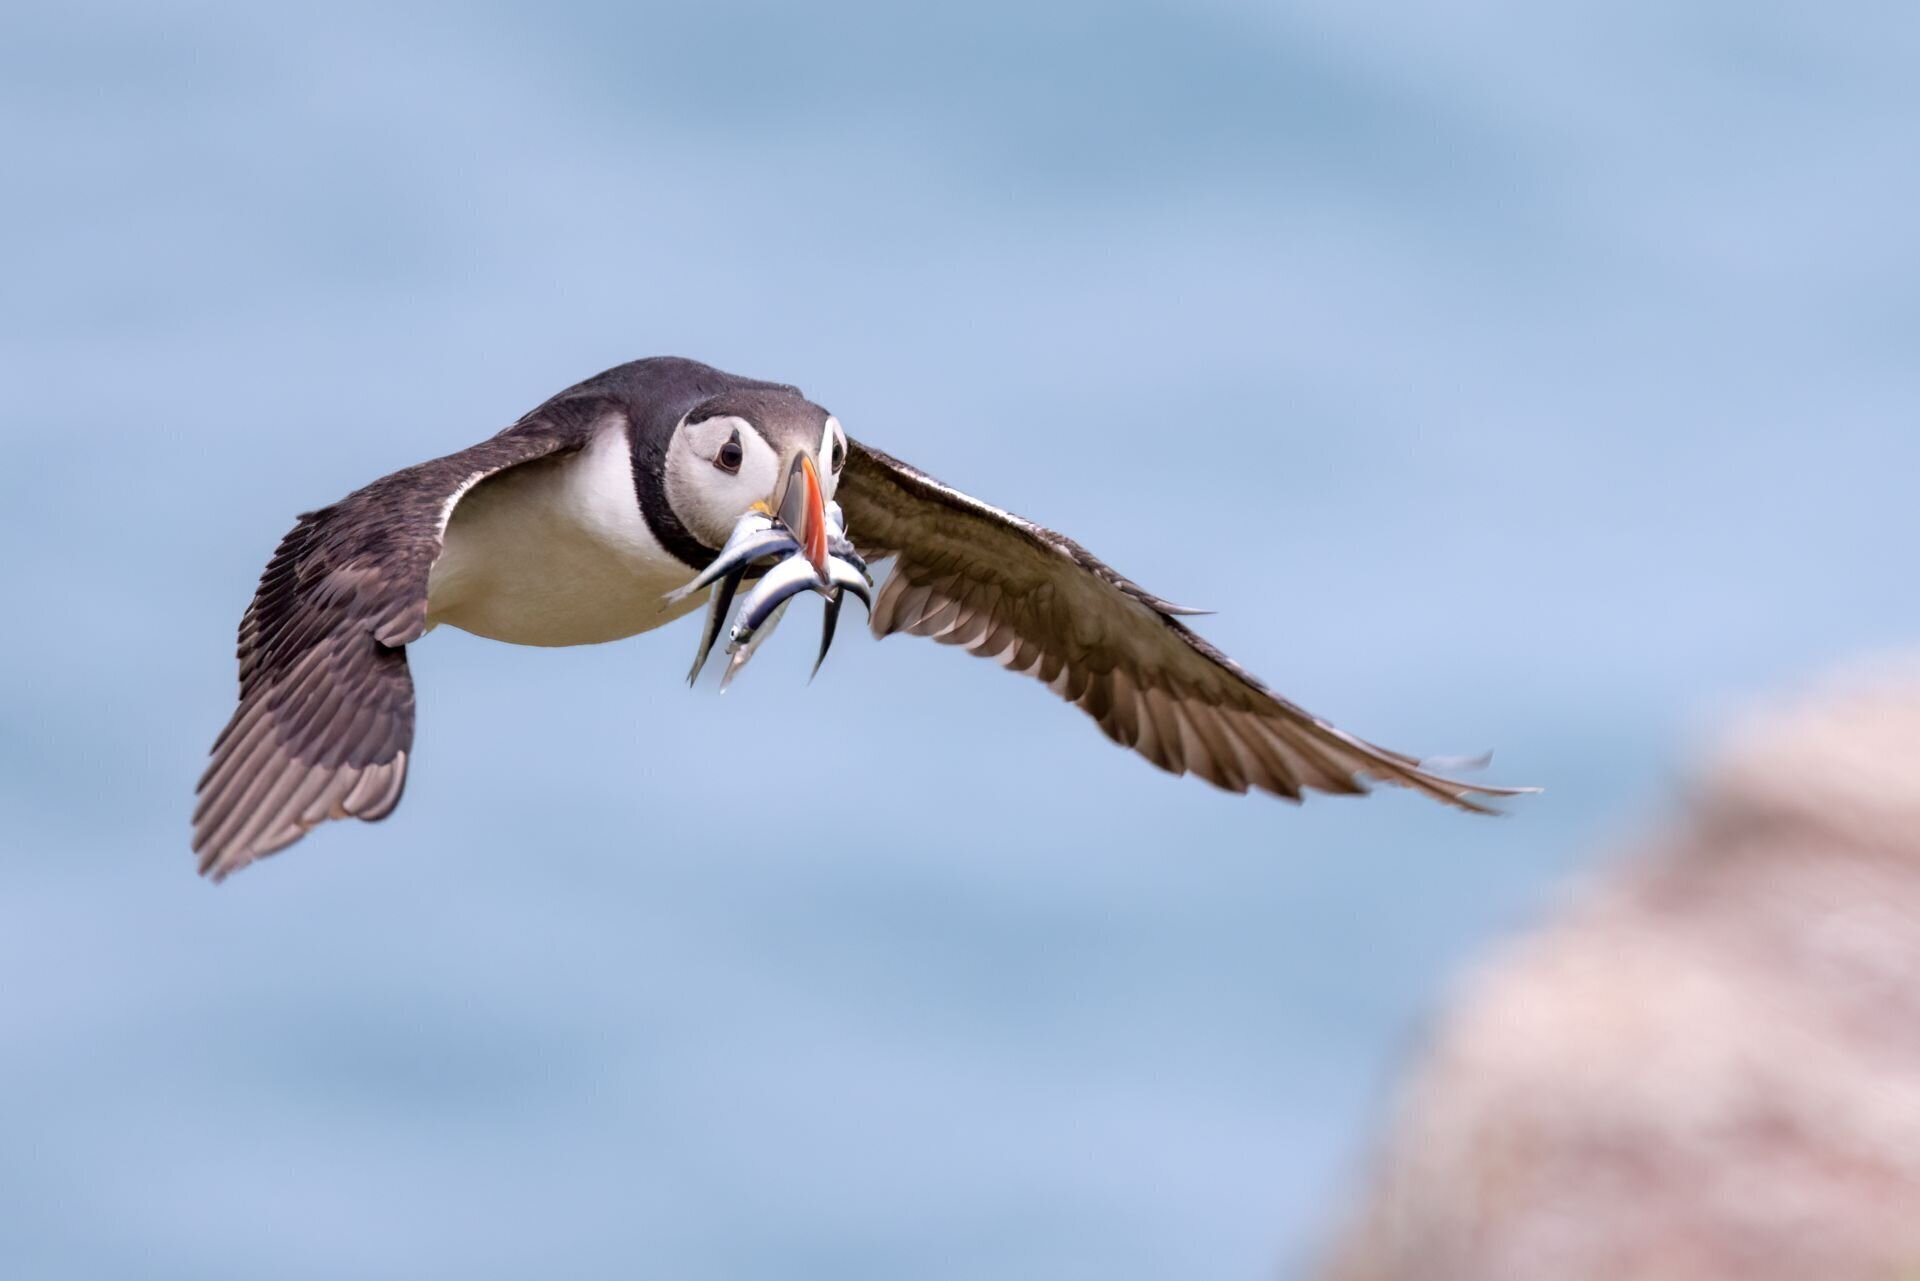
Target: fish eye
<point>731,455</point>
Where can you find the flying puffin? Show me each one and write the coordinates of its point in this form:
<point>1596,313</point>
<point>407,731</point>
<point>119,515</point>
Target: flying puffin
<point>579,522</point>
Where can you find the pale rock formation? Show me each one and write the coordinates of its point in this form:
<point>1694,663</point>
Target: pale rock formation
<point>1709,1066</point>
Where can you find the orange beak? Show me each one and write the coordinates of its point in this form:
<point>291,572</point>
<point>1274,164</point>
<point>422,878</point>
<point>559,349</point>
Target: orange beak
<point>803,510</point>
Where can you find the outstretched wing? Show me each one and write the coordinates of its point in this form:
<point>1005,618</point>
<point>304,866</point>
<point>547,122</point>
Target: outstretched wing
<point>969,574</point>
<point>325,721</point>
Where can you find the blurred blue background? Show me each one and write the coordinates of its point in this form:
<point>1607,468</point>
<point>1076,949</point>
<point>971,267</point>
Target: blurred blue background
<point>1536,380</point>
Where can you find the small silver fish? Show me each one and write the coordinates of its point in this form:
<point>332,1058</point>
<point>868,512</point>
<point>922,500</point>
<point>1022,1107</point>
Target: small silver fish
<point>755,535</point>
<point>759,538</point>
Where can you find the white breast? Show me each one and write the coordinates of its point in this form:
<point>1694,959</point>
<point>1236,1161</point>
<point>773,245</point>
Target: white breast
<point>555,552</point>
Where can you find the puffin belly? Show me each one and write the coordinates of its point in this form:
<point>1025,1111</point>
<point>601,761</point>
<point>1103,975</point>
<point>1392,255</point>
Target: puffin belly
<point>557,552</point>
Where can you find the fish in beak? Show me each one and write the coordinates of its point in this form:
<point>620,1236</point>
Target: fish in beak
<point>795,542</point>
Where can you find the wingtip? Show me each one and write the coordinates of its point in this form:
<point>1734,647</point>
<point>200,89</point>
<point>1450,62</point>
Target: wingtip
<point>1479,797</point>
<point>1449,767</point>
<point>215,867</point>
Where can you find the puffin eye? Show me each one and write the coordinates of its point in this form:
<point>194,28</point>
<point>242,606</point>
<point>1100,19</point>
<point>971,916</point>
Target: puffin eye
<point>837,457</point>
<point>731,455</point>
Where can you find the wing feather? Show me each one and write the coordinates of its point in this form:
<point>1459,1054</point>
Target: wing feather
<point>325,722</point>
<point>969,574</point>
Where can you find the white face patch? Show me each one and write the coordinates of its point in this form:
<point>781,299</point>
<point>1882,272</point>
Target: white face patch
<point>708,498</point>
<point>832,456</point>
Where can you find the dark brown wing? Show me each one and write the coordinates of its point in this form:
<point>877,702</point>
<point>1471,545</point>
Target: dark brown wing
<point>1005,588</point>
<point>325,721</point>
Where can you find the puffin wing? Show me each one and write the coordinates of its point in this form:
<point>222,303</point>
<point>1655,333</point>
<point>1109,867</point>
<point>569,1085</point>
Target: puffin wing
<point>325,721</point>
<point>968,574</point>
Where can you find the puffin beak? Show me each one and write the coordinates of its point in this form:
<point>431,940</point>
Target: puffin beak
<point>803,510</point>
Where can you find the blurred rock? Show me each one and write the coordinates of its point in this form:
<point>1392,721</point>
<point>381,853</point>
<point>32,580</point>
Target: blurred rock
<point>1709,1066</point>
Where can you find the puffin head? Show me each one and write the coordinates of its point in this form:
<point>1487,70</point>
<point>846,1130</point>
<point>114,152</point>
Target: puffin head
<point>770,450</point>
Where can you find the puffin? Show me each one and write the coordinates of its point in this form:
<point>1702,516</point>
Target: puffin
<point>612,508</point>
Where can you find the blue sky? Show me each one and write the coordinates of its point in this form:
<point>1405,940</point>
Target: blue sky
<point>1514,378</point>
